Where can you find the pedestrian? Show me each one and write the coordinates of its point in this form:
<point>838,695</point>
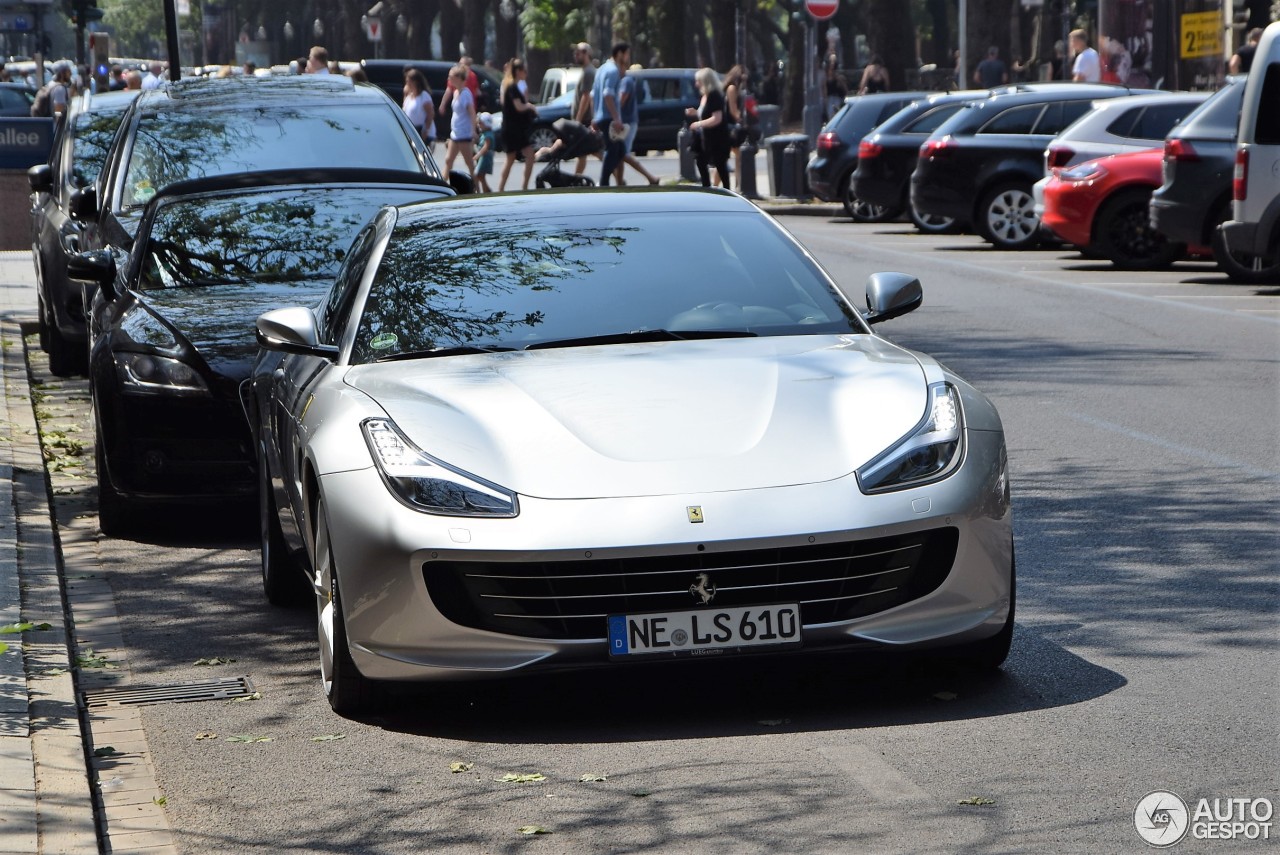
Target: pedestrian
<point>462,121</point>
<point>875,77</point>
<point>583,109</point>
<point>1242,60</point>
<point>991,72</point>
<point>835,88</point>
<point>317,61</point>
<point>250,69</point>
<point>484,154</point>
<point>1087,67</point>
<point>711,140</point>
<point>418,106</point>
<point>629,102</point>
<point>153,78</point>
<point>517,122</point>
<point>770,87</point>
<point>117,82</point>
<point>133,79</point>
<point>606,116</point>
<point>473,81</point>
<point>736,114</point>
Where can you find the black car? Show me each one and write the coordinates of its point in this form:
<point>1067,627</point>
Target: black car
<point>388,75</point>
<point>79,150</point>
<point>979,167</point>
<point>174,323</point>
<point>830,171</point>
<point>662,94</point>
<point>887,156</point>
<point>201,127</point>
<point>1199,161</point>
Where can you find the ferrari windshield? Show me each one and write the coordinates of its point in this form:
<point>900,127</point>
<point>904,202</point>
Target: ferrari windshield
<point>176,145</point>
<point>456,280</point>
<point>278,235</point>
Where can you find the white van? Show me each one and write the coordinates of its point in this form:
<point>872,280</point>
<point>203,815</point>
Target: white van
<point>557,81</point>
<point>1254,228</point>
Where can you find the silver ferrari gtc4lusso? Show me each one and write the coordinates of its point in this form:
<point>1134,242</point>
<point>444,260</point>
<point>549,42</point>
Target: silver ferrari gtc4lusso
<point>578,428</point>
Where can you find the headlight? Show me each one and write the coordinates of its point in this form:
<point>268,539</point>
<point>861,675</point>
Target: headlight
<point>149,374</point>
<point>930,452</point>
<point>426,484</point>
<point>1088,171</point>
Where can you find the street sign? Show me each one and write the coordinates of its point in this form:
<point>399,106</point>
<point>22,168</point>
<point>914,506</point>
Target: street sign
<point>1201,35</point>
<point>821,9</point>
<point>373,29</point>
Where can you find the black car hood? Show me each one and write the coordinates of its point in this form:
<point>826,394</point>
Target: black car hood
<point>218,321</point>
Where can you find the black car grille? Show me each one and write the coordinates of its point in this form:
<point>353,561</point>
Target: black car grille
<point>571,599</point>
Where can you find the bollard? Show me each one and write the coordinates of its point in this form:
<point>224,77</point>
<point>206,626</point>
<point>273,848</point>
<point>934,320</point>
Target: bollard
<point>790,159</point>
<point>688,169</point>
<point>747,178</point>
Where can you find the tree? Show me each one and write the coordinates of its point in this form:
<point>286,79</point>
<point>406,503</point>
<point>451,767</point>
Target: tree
<point>891,35</point>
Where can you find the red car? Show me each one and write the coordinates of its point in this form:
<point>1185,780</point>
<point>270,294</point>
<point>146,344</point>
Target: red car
<point>1101,206</point>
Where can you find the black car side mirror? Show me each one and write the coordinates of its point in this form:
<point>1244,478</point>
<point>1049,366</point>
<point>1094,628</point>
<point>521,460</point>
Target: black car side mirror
<point>40,177</point>
<point>461,183</point>
<point>98,267</point>
<point>890,295</point>
<point>84,204</point>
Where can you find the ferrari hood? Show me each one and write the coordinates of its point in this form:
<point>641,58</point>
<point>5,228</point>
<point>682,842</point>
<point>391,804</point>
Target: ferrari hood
<point>656,418</point>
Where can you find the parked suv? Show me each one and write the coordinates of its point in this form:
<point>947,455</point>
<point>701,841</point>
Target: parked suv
<point>831,169</point>
<point>1120,126</point>
<point>1254,228</point>
<point>201,127</point>
<point>887,156</point>
<point>980,165</point>
<point>388,75</point>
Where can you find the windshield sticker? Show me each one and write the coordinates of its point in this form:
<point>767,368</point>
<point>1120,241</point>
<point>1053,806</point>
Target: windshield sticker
<point>143,191</point>
<point>382,341</point>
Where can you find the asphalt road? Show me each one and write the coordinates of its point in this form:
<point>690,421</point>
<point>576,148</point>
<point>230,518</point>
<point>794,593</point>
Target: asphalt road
<point>1141,415</point>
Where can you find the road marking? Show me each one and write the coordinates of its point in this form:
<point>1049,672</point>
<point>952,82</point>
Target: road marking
<point>1178,448</point>
<point>881,781</point>
<point>1216,296</point>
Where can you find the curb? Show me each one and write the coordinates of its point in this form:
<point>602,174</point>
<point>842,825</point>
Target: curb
<point>59,803</point>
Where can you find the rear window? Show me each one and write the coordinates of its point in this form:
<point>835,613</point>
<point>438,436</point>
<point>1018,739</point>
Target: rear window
<point>1149,123</point>
<point>1059,115</point>
<point>929,122</point>
<point>1015,120</point>
<point>889,109</point>
<point>1267,131</point>
<point>176,145</point>
<point>1216,117</point>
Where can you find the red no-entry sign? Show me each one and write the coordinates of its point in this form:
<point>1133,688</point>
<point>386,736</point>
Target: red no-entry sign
<point>822,9</point>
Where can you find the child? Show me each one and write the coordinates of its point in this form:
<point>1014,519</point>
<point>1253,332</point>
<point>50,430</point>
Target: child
<point>462,124</point>
<point>484,154</point>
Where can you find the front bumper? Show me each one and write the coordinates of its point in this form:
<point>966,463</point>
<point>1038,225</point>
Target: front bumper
<point>385,553</point>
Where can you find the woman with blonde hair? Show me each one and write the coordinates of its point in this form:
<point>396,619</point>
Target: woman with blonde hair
<point>710,128</point>
<point>462,124</point>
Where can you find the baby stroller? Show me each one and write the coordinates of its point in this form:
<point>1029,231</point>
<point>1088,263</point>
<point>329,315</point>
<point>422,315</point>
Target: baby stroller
<point>573,140</point>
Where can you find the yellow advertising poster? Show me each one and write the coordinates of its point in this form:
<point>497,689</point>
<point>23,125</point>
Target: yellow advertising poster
<point>1201,35</point>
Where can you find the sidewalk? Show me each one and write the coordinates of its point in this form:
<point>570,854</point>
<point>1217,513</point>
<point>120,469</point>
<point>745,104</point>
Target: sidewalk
<point>46,804</point>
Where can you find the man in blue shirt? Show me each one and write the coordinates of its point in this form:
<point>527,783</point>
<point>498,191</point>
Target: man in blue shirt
<point>607,118</point>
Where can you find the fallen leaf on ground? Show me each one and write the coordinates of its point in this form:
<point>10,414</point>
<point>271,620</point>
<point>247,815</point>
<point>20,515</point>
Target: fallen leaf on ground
<point>160,800</point>
<point>207,734</point>
<point>977,801</point>
<point>455,768</point>
<point>328,737</point>
<point>104,751</point>
<point>3,647</point>
<point>256,696</point>
<point>532,829</point>
<point>248,738</point>
<point>640,793</point>
<point>26,626</point>
<point>592,779</point>
<point>529,778</point>
<point>214,660</point>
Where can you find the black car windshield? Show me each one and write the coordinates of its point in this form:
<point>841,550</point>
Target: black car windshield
<point>282,235</point>
<point>175,145</point>
<point>94,132</point>
<point>454,280</point>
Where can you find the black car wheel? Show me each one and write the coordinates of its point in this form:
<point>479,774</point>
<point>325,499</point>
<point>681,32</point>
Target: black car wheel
<point>348,691</point>
<point>66,358</point>
<point>117,514</point>
<point>932,224</point>
<point>282,579</point>
<point>864,212</point>
<point>1123,234</point>
<point>1240,266</point>
<point>542,137</point>
<point>42,320</point>
<point>1006,216</point>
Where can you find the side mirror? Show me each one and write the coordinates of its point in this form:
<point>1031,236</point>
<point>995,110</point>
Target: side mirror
<point>97,267</point>
<point>84,204</point>
<point>292,330</point>
<point>461,183</point>
<point>890,295</point>
<point>40,177</point>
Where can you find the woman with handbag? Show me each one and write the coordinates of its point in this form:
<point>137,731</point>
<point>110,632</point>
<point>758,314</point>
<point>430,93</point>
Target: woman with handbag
<point>711,128</point>
<point>734,81</point>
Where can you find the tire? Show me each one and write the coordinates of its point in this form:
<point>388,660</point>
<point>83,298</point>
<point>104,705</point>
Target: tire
<point>117,515</point>
<point>42,321</point>
<point>864,212</point>
<point>580,181</point>
<point>66,358</point>
<point>1006,217</point>
<point>282,579</point>
<point>349,692</point>
<point>1239,267</point>
<point>1123,234</point>
<point>931,224</point>
<point>541,137</point>
<point>990,653</point>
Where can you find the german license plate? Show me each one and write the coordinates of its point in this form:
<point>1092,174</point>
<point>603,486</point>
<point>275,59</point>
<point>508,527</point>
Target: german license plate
<point>704,631</point>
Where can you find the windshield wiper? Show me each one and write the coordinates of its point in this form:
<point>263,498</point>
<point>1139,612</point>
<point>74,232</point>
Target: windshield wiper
<point>640,335</point>
<point>461,350</point>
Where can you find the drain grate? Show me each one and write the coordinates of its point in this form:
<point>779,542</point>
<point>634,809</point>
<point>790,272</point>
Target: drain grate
<point>174,693</point>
